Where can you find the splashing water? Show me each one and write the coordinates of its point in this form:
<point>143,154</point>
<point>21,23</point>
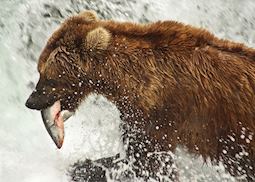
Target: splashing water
<point>27,154</point>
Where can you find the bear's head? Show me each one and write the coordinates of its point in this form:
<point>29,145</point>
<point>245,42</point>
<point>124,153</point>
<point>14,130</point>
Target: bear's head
<point>66,67</point>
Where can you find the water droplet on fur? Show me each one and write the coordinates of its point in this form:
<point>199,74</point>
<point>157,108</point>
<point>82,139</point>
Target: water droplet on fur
<point>242,136</point>
<point>250,137</point>
<point>232,138</point>
<point>241,153</point>
<point>239,168</point>
<point>224,151</point>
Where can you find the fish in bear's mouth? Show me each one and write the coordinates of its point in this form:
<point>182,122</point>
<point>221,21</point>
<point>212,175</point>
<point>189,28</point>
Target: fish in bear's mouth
<point>53,119</point>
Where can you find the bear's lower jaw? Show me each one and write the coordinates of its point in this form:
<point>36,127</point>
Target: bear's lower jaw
<point>53,119</point>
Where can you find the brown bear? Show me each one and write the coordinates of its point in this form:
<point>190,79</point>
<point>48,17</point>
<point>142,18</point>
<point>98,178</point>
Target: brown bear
<point>174,84</point>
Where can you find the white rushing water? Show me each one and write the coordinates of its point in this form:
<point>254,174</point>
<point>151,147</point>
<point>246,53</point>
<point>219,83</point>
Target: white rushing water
<point>27,153</point>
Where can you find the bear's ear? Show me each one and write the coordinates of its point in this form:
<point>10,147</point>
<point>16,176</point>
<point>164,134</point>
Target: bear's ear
<point>97,39</point>
<point>89,16</point>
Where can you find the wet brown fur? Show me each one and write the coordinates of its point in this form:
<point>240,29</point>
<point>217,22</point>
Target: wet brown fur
<point>189,87</point>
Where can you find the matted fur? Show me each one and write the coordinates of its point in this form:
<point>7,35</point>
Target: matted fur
<point>177,84</point>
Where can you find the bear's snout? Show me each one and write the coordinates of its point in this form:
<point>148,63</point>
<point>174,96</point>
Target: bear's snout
<point>38,101</point>
<point>29,103</point>
<point>32,103</point>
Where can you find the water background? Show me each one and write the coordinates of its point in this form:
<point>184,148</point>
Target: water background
<point>27,153</point>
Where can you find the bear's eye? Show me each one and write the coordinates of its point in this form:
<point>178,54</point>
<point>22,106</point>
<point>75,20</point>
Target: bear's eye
<point>52,83</point>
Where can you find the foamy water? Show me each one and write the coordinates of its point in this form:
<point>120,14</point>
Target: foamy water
<point>27,154</point>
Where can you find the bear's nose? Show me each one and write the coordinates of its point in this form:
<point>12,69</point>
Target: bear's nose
<point>38,101</point>
<point>30,103</point>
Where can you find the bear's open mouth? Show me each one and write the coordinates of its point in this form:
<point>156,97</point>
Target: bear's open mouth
<point>53,119</point>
